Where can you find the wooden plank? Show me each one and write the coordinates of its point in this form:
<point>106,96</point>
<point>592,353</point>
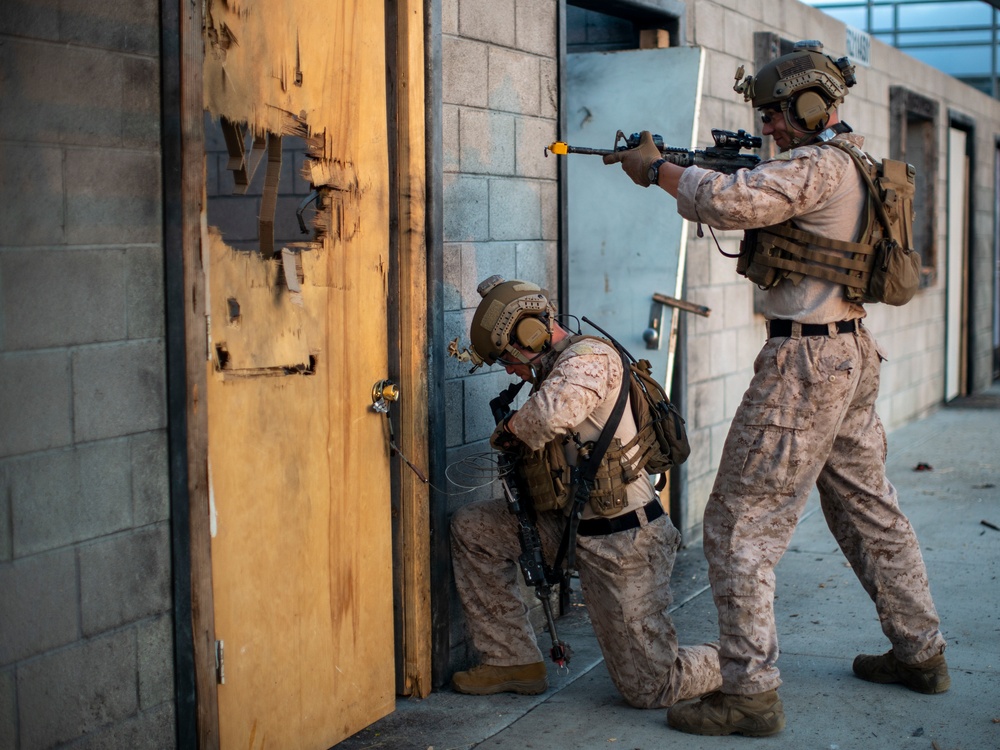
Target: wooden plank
<point>413,305</point>
<point>192,167</point>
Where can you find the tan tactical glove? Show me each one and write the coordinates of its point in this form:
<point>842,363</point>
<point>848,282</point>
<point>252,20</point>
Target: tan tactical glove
<point>504,440</point>
<point>635,161</point>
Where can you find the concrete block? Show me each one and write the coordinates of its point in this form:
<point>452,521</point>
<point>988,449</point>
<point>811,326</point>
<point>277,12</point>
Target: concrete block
<point>62,497</point>
<point>37,19</point>
<point>452,262</point>
<point>124,578</point>
<point>31,194</point>
<point>534,134</point>
<point>706,405</point>
<point>537,27</point>
<point>144,292</point>
<point>300,184</point>
<point>215,141</point>
<point>487,142</point>
<point>537,262</point>
<point>150,478</point>
<point>236,216</point>
<point>515,209</point>
<point>150,730</point>
<point>8,709</point>
<point>35,406</point>
<point>464,72</point>
<point>454,394</point>
<point>74,109</point>
<point>40,605</point>
<point>141,103</point>
<point>450,156</point>
<point>155,641</point>
<point>487,20</point>
<point>6,542</point>
<point>514,81</point>
<point>69,693</point>
<point>549,194</point>
<point>118,389</point>
<point>548,83</point>
<point>482,260</point>
<point>449,16</point>
<point>127,27</point>
<point>112,196</point>
<point>62,297</point>
<point>479,389</point>
<point>466,208</point>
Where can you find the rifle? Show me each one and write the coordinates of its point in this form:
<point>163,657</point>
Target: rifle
<point>532,560</point>
<point>724,156</point>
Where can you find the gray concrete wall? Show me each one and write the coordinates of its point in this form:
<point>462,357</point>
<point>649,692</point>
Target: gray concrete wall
<point>85,571</point>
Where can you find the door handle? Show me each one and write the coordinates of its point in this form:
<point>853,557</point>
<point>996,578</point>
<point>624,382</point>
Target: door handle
<point>384,391</point>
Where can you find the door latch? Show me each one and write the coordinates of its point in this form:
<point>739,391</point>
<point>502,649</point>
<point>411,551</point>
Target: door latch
<point>383,392</point>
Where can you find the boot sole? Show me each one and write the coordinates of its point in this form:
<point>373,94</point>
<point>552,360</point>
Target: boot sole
<point>941,687</point>
<point>721,732</point>
<point>513,686</point>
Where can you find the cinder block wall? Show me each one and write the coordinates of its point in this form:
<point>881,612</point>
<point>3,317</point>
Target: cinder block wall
<point>85,569</point>
<point>500,196</point>
<point>720,349</point>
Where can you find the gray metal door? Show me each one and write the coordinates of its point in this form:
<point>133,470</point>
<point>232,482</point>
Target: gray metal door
<point>626,243</point>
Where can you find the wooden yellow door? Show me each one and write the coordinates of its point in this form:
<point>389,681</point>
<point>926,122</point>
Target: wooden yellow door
<point>298,459</point>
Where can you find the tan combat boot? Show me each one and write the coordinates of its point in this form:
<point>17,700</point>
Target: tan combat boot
<point>929,676</point>
<point>526,679</point>
<point>758,715</point>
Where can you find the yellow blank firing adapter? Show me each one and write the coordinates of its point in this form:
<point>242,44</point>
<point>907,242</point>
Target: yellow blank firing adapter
<point>558,148</point>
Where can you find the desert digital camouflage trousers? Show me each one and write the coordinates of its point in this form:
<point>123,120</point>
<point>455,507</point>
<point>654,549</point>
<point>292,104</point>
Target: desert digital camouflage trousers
<point>808,418</point>
<point>625,579</point>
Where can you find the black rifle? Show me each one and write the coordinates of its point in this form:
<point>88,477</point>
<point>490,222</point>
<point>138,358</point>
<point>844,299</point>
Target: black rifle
<point>532,560</point>
<point>724,156</point>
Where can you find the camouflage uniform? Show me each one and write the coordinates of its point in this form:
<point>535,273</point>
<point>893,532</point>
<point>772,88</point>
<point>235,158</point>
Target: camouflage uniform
<point>808,418</point>
<point>624,576</point>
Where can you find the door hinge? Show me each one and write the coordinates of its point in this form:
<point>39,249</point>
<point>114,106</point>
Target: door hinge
<point>220,663</point>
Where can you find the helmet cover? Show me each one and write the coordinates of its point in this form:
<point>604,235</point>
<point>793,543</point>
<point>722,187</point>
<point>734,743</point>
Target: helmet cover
<point>806,69</point>
<point>504,305</point>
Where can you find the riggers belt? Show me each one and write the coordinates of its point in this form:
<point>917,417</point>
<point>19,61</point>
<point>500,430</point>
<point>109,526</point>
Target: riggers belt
<point>659,443</point>
<point>880,267</point>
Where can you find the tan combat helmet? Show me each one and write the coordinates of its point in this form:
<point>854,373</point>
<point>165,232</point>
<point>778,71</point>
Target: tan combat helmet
<point>806,84</point>
<point>511,312</point>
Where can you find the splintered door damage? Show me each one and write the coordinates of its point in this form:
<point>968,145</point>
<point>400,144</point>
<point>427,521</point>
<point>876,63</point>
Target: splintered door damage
<point>295,259</point>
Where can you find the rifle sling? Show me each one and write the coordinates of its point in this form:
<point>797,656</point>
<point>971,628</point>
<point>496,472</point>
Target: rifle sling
<point>585,473</point>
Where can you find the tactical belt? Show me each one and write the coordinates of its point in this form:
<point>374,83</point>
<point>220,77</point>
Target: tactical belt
<point>605,526</point>
<point>786,328</point>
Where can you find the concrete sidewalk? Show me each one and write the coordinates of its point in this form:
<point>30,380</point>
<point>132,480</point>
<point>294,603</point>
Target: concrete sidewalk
<point>824,619</point>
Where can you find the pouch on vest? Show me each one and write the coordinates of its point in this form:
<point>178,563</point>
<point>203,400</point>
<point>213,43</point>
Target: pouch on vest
<point>651,406</point>
<point>547,476</point>
<point>749,264</point>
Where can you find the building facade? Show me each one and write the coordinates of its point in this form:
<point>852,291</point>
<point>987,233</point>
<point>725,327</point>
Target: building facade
<point>174,476</point>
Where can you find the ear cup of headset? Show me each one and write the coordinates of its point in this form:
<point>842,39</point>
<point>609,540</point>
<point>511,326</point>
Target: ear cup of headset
<point>531,334</point>
<point>810,110</point>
